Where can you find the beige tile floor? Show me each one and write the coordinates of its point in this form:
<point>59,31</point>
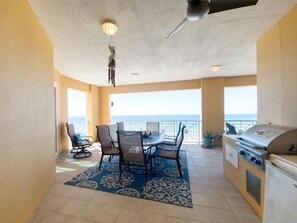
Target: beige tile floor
<point>215,200</point>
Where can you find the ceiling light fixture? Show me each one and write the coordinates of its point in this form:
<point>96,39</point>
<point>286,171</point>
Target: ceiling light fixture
<point>135,75</point>
<point>109,28</point>
<point>215,68</point>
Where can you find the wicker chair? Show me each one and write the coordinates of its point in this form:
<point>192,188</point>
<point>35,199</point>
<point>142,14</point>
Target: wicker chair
<point>132,152</point>
<point>107,147</point>
<point>171,151</point>
<point>79,142</point>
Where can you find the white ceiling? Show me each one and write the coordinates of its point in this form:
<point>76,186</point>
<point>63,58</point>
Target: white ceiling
<point>226,38</point>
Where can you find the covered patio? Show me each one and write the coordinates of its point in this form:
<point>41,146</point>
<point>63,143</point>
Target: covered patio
<point>215,199</point>
<point>33,115</point>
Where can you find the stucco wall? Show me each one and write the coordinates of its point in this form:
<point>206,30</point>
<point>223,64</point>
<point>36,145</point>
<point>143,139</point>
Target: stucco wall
<point>277,69</point>
<point>27,160</point>
<point>249,80</point>
<point>92,93</point>
<point>213,106</point>
<point>93,113</point>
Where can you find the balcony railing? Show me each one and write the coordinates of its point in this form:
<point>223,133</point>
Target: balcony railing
<point>192,130</point>
<point>170,128</point>
<point>241,125</point>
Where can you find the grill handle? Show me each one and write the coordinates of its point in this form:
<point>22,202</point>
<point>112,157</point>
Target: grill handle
<point>248,145</point>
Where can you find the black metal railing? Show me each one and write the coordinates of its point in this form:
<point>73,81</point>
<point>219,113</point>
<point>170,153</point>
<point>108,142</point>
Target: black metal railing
<point>170,128</point>
<point>241,125</point>
<point>192,130</point>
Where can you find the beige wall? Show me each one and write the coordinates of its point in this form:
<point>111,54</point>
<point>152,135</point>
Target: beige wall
<point>277,70</point>
<point>92,93</point>
<point>27,160</point>
<point>212,96</point>
<point>93,111</point>
<point>249,80</point>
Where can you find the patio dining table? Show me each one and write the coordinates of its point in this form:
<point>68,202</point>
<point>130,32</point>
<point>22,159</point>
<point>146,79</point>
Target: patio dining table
<point>131,151</point>
<point>154,139</point>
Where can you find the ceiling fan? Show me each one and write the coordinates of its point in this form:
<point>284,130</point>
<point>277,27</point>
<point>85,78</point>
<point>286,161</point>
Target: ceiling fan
<point>197,9</point>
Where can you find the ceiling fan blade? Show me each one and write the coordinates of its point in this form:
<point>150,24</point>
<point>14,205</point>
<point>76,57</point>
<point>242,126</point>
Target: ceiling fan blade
<point>219,5</point>
<point>185,20</point>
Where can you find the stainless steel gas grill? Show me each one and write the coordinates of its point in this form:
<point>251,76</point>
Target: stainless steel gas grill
<point>257,142</point>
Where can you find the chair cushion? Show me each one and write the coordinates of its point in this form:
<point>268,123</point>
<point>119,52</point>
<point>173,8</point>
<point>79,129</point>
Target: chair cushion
<point>167,147</point>
<point>110,151</point>
<point>166,154</point>
<point>77,139</point>
<point>86,142</point>
<point>170,143</point>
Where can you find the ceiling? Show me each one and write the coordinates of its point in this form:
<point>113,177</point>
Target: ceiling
<point>81,47</point>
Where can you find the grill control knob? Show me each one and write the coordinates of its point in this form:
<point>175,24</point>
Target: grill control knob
<point>258,162</point>
<point>252,158</point>
<point>241,152</point>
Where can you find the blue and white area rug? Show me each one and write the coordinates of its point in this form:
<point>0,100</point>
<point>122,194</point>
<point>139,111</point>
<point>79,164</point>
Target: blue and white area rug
<point>164,186</point>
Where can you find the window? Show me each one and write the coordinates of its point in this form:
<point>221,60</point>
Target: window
<point>241,107</point>
<point>77,110</point>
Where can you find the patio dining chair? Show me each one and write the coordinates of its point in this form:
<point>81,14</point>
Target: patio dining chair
<point>113,134</point>
<point>132,152</point>
<point>172,140</point>
<point>79,142</point>
<point>121,126</point>
<point>231,129</point>
<point>107,147</point>
<point>165,151</point>
<point>152,126</point>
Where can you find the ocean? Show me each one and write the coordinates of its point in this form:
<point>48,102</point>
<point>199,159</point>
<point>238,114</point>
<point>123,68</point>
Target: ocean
<point>178,117</point>
<point>80,119</point>
<point>80,124</point>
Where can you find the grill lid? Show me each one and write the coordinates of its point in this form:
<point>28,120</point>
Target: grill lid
<point>272,138</point>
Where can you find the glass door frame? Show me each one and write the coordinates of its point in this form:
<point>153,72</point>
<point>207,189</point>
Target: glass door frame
<point>56,104</point>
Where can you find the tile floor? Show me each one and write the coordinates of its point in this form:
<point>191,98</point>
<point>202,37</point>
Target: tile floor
<point>215,200</point>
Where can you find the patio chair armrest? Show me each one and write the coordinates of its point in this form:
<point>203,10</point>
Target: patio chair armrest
<point>169,137</point>
<point>87,137</point>
<point>91,137</point>
<point>169,143</point>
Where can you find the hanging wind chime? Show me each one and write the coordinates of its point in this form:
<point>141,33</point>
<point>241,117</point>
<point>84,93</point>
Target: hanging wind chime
<point>110,29</point>
<point>111,66</point>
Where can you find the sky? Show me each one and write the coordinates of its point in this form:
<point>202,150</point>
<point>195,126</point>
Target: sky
<point>77,102</point>
<point>241,100</point>
<point>238,100</point>
<point>157,103</point>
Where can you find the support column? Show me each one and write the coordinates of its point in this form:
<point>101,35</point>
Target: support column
<point>93,110</point>
<point>212,93</point>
